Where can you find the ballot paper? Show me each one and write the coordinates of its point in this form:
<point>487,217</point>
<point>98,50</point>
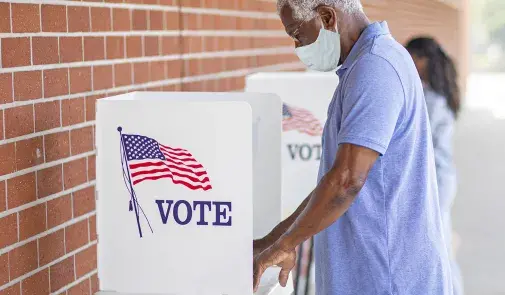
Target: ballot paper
<point>269,285</point>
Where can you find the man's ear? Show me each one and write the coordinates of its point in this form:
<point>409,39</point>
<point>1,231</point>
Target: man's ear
<point>328,17</point>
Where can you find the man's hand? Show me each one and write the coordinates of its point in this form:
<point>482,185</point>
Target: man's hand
<point>260,245</point>
<point>273,255</point>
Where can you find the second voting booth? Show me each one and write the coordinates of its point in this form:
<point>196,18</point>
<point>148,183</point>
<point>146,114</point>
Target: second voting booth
<point>185,181</point>
<point>305,98</point>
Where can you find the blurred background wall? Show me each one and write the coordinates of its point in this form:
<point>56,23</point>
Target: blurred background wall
<point>479,154</point>
<point>447,21</point>
<point>58,57</point>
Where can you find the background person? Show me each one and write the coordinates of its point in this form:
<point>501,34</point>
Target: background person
<point>439,77</point>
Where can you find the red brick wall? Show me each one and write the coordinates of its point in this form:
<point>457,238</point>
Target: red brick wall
<point>410,18</point>
<point>414,17</point>
<point>58,56</point>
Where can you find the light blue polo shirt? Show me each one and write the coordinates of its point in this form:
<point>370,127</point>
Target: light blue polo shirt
<point>390,241</point>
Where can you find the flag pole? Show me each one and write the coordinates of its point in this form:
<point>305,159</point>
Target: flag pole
<point>133,200</point>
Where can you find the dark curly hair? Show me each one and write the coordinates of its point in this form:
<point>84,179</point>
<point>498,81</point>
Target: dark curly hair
<point>442,74</point>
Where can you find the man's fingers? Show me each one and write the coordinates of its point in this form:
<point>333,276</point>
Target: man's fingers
<point>286,260</point>
<point>284,276</point>
<point>258,272</point>
<point>286,266</point>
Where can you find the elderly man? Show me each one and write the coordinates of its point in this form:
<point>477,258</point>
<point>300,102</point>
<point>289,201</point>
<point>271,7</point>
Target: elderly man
<point>374,212</point>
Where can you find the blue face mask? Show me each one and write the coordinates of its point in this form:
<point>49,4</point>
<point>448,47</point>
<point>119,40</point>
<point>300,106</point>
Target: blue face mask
<point>324,54</point>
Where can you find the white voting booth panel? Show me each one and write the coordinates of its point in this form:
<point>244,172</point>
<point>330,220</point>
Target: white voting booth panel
<point>175,191</point>
<point>305,97</point>
<point>266,128</point>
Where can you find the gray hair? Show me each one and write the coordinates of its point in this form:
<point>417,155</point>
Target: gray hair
<point>306,9</point>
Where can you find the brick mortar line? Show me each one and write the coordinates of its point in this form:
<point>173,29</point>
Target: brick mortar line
<point>48,198</point>
<point>3,113</point>
<point>31,273</point>
<point>31,51</point>
<point>169,8</point>
<point>220,75</point>
<point>72,200</point>
<point>46,132</point>
<point>242,72</point>
<point>10,20</point>
<point>6,200</point>
<point>75,271</point>
<point>76,282</point>
<point>166,33</point>
<point>185,56</point>
<point>167,82</point>
<point>105,91</point>
<point>17,225</point>
<point>43,166</point>
<point>48,232</point>
<point>70,146</point>
<point>229,12</point>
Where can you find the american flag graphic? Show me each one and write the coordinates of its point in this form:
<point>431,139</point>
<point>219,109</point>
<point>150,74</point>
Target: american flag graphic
<point>300,120</point>
<point>150,160</point>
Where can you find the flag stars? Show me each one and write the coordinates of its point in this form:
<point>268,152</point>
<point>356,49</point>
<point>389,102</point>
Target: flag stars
<point>141,148</point>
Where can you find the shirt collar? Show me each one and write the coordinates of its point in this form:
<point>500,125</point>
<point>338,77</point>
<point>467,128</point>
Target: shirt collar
<point>371,31</point>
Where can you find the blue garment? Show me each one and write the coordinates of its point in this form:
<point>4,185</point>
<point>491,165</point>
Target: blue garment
<point>442,123</point>
<point>390,241</point>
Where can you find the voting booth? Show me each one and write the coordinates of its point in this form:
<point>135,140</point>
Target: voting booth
<point>305,97</point>
<point>185,181</point>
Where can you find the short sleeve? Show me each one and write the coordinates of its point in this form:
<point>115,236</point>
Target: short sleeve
<point>372,103</point>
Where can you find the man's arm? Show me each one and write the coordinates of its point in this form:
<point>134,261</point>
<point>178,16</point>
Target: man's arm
<point>331,198</point>
<point>267,241</point>
<point>334,194</point>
